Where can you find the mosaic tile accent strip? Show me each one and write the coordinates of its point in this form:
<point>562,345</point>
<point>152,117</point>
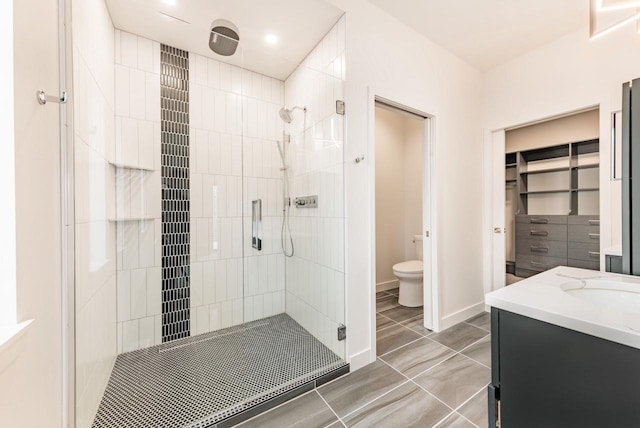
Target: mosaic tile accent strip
<point>174,108</point>
<point>198,381</point>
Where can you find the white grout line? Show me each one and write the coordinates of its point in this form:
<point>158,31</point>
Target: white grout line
<point>330,408</point>
<point>476,326</point>
<point>380,396</point>
<point>416,384</point>
<point>401,346</point>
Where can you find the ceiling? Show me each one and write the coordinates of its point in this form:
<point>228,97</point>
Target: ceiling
<point>298,24</point>
<point>485,33</point>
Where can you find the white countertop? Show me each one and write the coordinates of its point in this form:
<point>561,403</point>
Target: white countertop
<point>541,297</point>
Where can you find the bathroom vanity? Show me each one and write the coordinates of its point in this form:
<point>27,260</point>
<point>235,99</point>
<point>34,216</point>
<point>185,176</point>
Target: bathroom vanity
<point>566,351</point>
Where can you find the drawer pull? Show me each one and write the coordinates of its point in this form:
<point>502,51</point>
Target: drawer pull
<point>594,235</point>
<point>536,264</point>
<point>539,232</point>
<point>535,249</point>
<point>594,253</point>
<point>539,220</point>
<point>594,222</point>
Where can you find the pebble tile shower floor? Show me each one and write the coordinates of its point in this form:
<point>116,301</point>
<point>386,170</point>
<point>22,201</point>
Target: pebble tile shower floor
<point>198,381</point>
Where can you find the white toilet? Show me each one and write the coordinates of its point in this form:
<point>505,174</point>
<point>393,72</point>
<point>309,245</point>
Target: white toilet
<point>410,274</point>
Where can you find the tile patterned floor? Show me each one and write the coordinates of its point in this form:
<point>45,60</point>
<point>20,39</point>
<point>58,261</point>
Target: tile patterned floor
<point>420,379</point>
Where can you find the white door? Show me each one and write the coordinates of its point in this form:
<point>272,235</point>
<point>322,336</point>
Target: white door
<point>431,320</point>
<point>498,209</point>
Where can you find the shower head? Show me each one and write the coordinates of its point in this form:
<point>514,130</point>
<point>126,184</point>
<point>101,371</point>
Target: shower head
<point>286,114</point>
<point>223,37</point>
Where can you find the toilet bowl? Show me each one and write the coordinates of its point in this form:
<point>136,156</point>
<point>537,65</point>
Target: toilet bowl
<point>410,275</point>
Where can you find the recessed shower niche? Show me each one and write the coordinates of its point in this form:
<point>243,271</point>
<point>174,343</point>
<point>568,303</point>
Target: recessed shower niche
<point>185,161</point>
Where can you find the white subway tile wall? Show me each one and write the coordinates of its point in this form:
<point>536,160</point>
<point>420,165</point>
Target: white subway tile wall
<point>315,286</point>
<point>137,188</point>
<point>234,128</point>
<point>95,237</point>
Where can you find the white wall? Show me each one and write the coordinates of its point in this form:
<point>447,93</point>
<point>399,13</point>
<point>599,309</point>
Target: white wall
<point>398,184</point>
<point>315,273</point>
<point>31,384</point>
<point>569,74</point>
<point>389,59</point>
<point>95,243</point>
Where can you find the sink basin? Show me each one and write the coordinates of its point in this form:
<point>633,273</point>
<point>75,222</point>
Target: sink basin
<point>621,295</point>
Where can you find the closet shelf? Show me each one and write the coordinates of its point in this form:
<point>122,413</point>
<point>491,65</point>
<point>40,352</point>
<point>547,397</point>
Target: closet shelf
<point>511,180</point>
<point>586,189</point>
<point>511,165</point>
<point>543,192</point>
<point>543,171</point>
<point>127,166</point>
<point>587,166</point>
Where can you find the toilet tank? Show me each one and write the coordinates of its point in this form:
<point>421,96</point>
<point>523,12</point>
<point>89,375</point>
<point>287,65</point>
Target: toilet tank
<point>417,241</point>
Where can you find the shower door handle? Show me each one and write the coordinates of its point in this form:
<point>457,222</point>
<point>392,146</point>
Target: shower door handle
<point>256,224</point>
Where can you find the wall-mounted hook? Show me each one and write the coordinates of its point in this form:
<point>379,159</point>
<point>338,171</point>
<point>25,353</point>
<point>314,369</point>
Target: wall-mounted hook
<point>44,98</point>
<point>359,159</point>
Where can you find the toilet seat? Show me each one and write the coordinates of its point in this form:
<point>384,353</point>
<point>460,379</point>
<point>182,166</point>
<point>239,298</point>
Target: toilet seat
<point>411,266</point>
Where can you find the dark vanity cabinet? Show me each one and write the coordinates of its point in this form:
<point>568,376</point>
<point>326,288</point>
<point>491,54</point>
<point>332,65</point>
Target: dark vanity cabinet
<point>546,376</point>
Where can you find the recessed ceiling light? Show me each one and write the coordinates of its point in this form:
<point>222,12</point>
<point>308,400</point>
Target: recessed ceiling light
<point>271,39</point>
<point>170,2</point>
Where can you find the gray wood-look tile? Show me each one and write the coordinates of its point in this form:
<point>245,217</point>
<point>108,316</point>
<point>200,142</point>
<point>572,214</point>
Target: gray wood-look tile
<point>402,313</point>
<point>306,411</point>
<point>480,351</point>
<point>358,388</point>
<point>382,322</point>
<point>417,324</point>
<point>380,294</point>
<point>386,303</point>
<point>476,409</point>
<point>394,291</point>
<point>390,338</point>
<point>455,380</point>
<point>336,425</point>
<point>455,421</point>
<point>407,406</point>
<point>459,336</point>
<point>417,357</point>
<point>482,320</point>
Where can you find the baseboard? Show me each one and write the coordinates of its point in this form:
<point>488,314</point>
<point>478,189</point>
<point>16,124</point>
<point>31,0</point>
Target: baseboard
<point>461,315</point>
<point>359,360</point>
<point>387,285</point>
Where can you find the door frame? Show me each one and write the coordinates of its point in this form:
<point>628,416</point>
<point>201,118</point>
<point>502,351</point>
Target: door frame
<point>431,293</point>
<point>494,152</point>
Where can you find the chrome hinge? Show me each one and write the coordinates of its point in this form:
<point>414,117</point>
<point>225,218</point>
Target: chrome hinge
<point>499,412</point>
<point>342,332</point>
<point>340,107</point>
<point>426,234</point>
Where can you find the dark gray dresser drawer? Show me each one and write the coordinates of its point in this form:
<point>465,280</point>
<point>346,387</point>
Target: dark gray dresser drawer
<point>583,264</point>
<point>541,219</point>
<point>586,220</point>
<point>584,251</point>
<point>552,232</point>
<point>541,247</point>
<point>582,233</point>
<point>538,263</point>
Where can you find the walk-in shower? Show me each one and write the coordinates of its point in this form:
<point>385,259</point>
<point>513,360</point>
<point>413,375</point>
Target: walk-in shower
<point>180,320</point>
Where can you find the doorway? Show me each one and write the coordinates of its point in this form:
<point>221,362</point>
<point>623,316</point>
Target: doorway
<point>401,253</point>
<point>546,193</point>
